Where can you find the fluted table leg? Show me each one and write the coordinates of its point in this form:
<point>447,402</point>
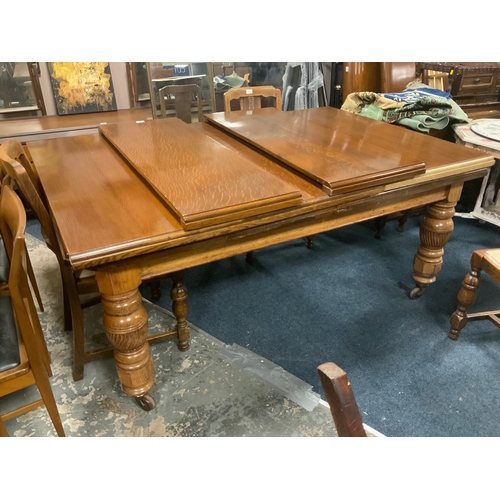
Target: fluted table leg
<point>126,325</point>
<point>435,231</point>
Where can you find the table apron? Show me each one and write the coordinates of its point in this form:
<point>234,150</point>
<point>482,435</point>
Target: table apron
<point>228,245</point>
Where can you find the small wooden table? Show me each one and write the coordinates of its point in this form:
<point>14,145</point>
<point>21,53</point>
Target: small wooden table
<point>140,200</point>
<point>487,207</point>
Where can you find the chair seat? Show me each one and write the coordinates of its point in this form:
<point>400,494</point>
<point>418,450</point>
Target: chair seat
<point>9,341</point>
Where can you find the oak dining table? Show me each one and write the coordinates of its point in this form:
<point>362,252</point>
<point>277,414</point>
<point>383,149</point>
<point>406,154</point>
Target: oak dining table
<point>137,200</point>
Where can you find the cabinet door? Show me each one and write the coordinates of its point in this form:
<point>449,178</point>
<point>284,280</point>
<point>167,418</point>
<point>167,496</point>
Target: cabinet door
<point>361,76</point>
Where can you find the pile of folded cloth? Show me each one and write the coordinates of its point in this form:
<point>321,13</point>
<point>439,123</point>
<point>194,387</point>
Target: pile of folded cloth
<point>224,83</point>
<point>419,107</point>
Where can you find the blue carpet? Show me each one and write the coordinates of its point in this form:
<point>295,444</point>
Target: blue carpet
<point>347,301</point>
<point>33,228</point>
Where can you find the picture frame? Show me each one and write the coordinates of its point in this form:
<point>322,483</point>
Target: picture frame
<point>82,87</point>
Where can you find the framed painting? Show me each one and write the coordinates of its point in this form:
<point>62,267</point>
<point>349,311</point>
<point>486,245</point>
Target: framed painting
<point>82,87</point>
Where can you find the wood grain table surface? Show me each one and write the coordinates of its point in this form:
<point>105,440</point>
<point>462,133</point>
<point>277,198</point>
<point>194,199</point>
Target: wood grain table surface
<point>129,219</point>
<point>36,128</point>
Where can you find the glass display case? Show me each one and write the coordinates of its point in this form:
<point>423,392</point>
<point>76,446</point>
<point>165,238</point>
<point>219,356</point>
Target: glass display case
<point>20,88</point>
<point>253,74</point>
<point>138,82</point>
<point>161,74</point>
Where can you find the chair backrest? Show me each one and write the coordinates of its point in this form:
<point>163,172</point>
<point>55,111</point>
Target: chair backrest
<point>12,228</point>
<point>251,97</point>
<point>34,361</point>
<point>181,98</point>
<point>17,167</point>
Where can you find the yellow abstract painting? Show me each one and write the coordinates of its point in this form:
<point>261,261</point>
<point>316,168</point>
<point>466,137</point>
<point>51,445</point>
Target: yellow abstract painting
<point>82,87</point>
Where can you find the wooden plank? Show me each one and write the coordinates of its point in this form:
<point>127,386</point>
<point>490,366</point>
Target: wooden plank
<point>203,181</point>
<point>341,151</point>
<point>91,187</point>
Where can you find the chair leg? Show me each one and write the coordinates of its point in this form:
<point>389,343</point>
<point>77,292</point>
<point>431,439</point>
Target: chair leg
<point>74,311</point>
<point>180,309</point>
<point>32,278</point>
<point>155,287</point>
<point>3,429</point>
<point>466,297</point>
<point>249,257</point>
<point>379,225</point>
<point>39,368</point>
<point>45,389</point>
<point>402,221</point>
<point>310,241</point>
<point>78,342</point>
<point>68,323</point>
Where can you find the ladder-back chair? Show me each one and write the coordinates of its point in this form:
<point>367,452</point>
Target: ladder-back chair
<point>24,357</point>
<point>181,98</point>
<point>251,97</point>
<point>4,266</point>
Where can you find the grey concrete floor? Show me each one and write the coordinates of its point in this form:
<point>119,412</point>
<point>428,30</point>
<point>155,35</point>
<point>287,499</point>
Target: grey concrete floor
<point>198,393</point>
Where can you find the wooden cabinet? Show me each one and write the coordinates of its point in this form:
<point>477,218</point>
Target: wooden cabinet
<point>475,87</point>
<point>360,77</point>
<point>379,77</point>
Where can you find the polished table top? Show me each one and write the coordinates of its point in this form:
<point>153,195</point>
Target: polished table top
<point>39,127</point>
<point>334,149</point>
<point>92,187</point>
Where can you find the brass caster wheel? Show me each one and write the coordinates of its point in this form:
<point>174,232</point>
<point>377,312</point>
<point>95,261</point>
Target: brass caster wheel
<point>416,293</point>
<point>146,402</point>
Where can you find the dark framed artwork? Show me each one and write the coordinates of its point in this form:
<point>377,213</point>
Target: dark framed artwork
<point>82,87</point>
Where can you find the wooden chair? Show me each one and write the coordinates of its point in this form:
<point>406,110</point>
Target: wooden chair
<point>4,269</point>
<point>80,288</point>
<point>343,406</point>
<point>251,97</point>
<point>180,98</point>
<point>24,358</point>
<point>487,260</point>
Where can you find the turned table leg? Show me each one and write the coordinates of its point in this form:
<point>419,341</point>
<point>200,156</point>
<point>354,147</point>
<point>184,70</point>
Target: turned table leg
<point>180,308</point>
<point>466,297</point>
<point>435,231</point>
<point>126,325</point>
